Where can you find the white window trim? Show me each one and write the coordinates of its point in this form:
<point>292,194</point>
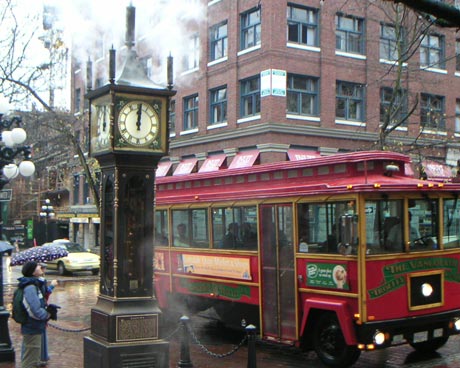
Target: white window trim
<point>350,55</point>
<point>249,118</point>
<point>172,135</point>
<point>190,71</point>
<point>457,74</point>
<point>212,2</point>
<point>433,70</point>
<point>249,49</point>
<point>351,122</point>
<point>216,126</point>
<point>303,47</point>
<point>401,128</point>
<point>218,61</point>
<point>392,62</point>
<point>190,131</point>
<point>435,132</point>
<point>303,117</point>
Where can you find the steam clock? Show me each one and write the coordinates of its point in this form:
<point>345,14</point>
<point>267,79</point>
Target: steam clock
<point>128,136</point>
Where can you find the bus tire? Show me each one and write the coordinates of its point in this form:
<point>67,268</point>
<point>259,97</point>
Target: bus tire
<point>329,343</point>
<point>430,345</point>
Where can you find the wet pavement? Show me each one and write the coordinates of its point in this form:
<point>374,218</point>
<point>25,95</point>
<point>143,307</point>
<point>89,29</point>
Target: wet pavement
<point>77,295</point>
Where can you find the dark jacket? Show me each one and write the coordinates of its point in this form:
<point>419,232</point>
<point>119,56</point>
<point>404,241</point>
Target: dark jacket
<point>35,304</point>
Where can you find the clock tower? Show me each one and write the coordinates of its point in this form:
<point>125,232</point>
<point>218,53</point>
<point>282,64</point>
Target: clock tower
<point>128,136</point>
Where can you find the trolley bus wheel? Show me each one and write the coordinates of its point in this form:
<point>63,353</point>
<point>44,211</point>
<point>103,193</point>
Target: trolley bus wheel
<point>330,345</point>
<point>430,345</point>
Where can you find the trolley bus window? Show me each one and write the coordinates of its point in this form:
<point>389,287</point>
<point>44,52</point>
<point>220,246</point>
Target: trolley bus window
<point>386,228</point>
<point>451,224</point>
<point>190,228</point>
<point>235,228</point>
<point>423,216</point>
<point>320,229</point>
<point>161,228</point>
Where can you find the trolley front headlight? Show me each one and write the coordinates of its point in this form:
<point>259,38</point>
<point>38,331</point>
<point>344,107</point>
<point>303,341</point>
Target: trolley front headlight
<point>457,324</point>
<point>427,289</point>
<point>379,338</point>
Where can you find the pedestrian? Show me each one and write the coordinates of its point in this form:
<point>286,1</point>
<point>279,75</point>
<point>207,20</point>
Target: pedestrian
<point>47,290</point>
<point>35,304</point>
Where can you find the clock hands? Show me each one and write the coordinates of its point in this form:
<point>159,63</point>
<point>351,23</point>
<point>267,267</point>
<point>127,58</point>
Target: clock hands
<point>139,115</point>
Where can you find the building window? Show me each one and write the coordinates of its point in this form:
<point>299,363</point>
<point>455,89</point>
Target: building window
<point>302,95</point>
<point>302,25</point>
<point>432,112</point>
<point>393,106</point>
<point>192,56</point>
<point>218,113</point>
<point>432,51</point>
<point>172,117</point>
<point>191,112</point>
<point>219,41</point>
<point>457,116</point>
<point>250,97</point>
<point>250,28</point>
<point>390,40</point>
<point>457,55</point>
<point>77,100</point>
<point>349,101</point>
<point>76,189</point>
<point>349,34</point>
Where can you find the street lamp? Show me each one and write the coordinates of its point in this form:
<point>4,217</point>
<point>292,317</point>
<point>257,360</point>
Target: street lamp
<point>47,212</point>
<point>10,147</point>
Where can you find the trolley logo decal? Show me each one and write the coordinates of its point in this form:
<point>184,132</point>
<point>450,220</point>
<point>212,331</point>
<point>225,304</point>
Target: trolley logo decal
<point>394,274</point>
<point>327,275</point>
<point>231,292</point>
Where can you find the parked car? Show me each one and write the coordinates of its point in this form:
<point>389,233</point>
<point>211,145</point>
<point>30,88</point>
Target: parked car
<point>78,259</point>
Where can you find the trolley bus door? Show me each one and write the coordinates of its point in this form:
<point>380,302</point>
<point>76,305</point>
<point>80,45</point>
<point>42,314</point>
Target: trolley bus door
<point>278,278</point>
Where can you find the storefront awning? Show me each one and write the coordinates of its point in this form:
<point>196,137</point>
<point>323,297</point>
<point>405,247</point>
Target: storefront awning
<point>244,159</point>
<point>298,154</point>
<point>185,166</point>
<point>435,170</point>
<point>212,163</point>
<point>163,168</point>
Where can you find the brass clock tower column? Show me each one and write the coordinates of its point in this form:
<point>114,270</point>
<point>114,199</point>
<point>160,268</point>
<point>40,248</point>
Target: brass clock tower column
<point>128,135</point>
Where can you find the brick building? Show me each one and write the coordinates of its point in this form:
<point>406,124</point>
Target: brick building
<point>261,81</point>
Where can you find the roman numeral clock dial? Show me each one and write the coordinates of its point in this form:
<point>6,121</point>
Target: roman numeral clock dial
<point>138,123</point>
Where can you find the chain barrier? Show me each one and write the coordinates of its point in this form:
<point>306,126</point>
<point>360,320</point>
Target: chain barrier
<point>68,329</point>
<point>172,333</point>
<point>207,351</point>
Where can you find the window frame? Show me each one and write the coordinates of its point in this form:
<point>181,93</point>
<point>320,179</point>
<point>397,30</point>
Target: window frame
<point>218,41</point>
<point>348,33</point>
<point>404,103</point>
<point>349,99</point>
<point>252,96</point>
<point>302,27</point>
<point>426,112</point>
<point>302,94</point>
<point>250,29</point>
<point>217,106</point>
<point>439,50</point>
<point>191,112</point>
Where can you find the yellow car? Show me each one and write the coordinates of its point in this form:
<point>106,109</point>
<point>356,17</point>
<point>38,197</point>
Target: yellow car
<point>78,258</point>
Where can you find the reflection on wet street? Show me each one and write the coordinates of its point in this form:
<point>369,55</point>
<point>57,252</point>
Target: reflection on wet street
<point>77,294</point>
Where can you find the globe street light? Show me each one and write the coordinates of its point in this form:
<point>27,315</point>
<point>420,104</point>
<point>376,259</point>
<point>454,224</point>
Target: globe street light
<point>10,148</point>
<point>47,211</point>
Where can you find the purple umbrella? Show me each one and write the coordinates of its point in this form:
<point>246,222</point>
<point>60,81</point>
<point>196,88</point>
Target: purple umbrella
<point>38,254</point>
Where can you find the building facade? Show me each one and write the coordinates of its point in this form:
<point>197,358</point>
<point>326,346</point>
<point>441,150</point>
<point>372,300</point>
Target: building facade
<point>263,81</point>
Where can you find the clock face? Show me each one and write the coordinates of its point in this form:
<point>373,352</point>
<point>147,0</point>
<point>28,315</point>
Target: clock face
<point>138,123</point>
<point>103,125</point>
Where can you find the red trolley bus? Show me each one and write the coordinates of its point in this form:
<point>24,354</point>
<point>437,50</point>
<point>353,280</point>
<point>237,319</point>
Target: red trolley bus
<point>342,253</point>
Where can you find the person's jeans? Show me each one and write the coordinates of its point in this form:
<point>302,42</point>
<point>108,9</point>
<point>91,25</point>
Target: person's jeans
<point>32,348</point>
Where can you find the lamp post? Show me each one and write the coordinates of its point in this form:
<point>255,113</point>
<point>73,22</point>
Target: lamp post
<point>10,147</point>
<point>47,212</point>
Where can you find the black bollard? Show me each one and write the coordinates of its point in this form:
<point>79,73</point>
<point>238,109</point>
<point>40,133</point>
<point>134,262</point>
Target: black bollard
<point>251,333</point>
<point>184,361</point>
